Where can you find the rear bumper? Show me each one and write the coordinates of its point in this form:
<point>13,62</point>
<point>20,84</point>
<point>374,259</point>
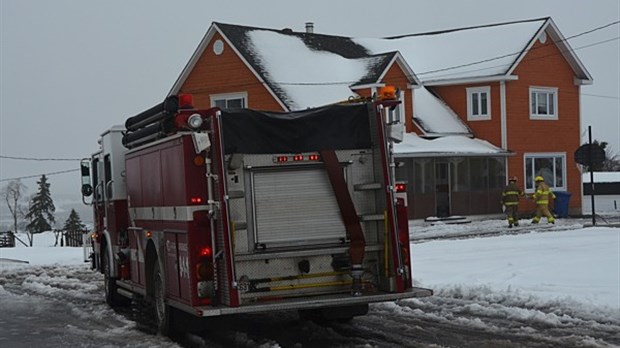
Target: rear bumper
<point>309,303</point>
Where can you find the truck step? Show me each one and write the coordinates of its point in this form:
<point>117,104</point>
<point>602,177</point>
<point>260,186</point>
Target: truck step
<point>125,293</point>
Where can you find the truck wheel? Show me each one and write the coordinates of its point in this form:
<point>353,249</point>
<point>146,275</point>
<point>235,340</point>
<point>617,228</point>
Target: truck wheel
<point>162,312</point>
<point>109,284</point>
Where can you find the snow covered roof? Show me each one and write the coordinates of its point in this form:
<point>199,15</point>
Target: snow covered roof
<point>304,70</point>
<point>303,76</point>
<point>434,117</point>
<point>446,146</point>
<point>488,51</point>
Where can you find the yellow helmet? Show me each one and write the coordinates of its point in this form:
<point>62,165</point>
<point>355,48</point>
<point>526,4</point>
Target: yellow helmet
<point>539,178</point>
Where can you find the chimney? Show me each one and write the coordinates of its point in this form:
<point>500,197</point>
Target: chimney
<point>309,28</point>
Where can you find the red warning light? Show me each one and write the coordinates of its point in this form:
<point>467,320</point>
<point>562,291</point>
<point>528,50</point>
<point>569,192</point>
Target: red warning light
<point>313,157</point>
<point>196,200</point>
<point>186,101</point>
<point>206,251</point>
<point>282,159</point>
<point>298,158</point>
<point>401,188</point>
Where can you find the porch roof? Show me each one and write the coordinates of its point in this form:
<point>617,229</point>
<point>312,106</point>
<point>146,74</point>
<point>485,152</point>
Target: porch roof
<point>446,146</point>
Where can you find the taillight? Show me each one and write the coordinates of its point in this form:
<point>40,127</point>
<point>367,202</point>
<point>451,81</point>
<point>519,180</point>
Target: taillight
<point>199,161</point>
<point>401,187</point>
<point>195,200</point>
<point>205,275</point>
<point>296,158</point>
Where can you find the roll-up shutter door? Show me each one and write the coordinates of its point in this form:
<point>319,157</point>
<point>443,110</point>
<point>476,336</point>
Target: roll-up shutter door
<point>295,207</point>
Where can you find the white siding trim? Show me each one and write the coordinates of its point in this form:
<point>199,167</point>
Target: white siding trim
<point>502,113</point>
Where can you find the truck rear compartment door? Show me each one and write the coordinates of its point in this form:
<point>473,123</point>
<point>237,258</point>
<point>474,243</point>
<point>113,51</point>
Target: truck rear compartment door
<point>295,207</point>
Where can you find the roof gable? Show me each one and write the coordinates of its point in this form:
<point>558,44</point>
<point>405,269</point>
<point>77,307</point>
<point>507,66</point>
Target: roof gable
<point>458,54</point>
<point>200,50</point>
<point>550,29</point>
<point>301,69</point>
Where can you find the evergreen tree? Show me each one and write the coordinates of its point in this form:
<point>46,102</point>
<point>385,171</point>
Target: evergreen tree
<point>74,223</point>
<point>41,210</point>
<point>73,229</point>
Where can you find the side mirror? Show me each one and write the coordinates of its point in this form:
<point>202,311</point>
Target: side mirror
<point>87,187</point>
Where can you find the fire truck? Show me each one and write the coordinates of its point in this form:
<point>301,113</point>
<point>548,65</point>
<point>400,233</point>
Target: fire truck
<point>229,211</point>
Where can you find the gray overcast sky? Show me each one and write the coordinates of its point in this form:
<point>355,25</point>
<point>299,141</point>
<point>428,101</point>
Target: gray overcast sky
<point>69,69</point>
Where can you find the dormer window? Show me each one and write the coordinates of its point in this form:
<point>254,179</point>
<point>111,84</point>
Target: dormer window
<point>479,103</point>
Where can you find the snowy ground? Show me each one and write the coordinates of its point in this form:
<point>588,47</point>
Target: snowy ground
<point>536,286</point>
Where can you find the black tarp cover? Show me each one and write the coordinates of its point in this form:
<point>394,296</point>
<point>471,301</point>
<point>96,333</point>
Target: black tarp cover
<point>337,127</point>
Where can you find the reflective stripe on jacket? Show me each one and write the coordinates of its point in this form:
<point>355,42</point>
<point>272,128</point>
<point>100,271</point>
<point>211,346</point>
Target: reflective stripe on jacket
<point>542,194</point>
<point>511,193</point>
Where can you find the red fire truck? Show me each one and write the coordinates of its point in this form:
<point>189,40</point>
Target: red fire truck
<point>216,212</point>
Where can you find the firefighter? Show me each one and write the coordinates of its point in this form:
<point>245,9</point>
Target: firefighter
<point>510,201</point>
<point>541,197</point>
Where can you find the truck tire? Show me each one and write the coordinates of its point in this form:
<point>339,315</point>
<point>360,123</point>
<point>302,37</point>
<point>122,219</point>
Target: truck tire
<point>161,310</point>
<point>109,284</point>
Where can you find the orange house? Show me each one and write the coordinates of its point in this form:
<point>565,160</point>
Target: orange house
<point>484,103</point>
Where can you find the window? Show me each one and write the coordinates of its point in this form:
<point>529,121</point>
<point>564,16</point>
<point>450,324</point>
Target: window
<point>544,103</point>
<point>552,167</point>
<point>230,100</point>
<point>478,103</point>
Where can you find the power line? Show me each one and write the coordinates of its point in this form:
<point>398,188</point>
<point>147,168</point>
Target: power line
<point>39,159</point>
<point>600,96</point>
<point>36,176</point>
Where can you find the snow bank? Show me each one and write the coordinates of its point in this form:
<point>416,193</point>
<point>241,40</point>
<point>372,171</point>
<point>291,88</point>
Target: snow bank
<point>43,252</point>
<point>580,265</point>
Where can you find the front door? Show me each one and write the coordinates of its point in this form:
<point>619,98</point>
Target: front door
<point>442,189</point>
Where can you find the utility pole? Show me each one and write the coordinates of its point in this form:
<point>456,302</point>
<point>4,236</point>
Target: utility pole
<point>591,174</point>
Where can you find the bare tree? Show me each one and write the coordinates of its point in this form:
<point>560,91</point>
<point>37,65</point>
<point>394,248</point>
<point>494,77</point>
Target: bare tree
<point>12,194</point>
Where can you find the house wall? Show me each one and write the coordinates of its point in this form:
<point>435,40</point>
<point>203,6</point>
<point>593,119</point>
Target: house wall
<point>543,66</point>
<point>226,73</point>
<point>456,97</point>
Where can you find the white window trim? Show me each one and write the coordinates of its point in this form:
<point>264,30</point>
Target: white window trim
<point>238,95</point>
<point>534,155</point>
<point>554,91</point>
<point>480,117</point>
